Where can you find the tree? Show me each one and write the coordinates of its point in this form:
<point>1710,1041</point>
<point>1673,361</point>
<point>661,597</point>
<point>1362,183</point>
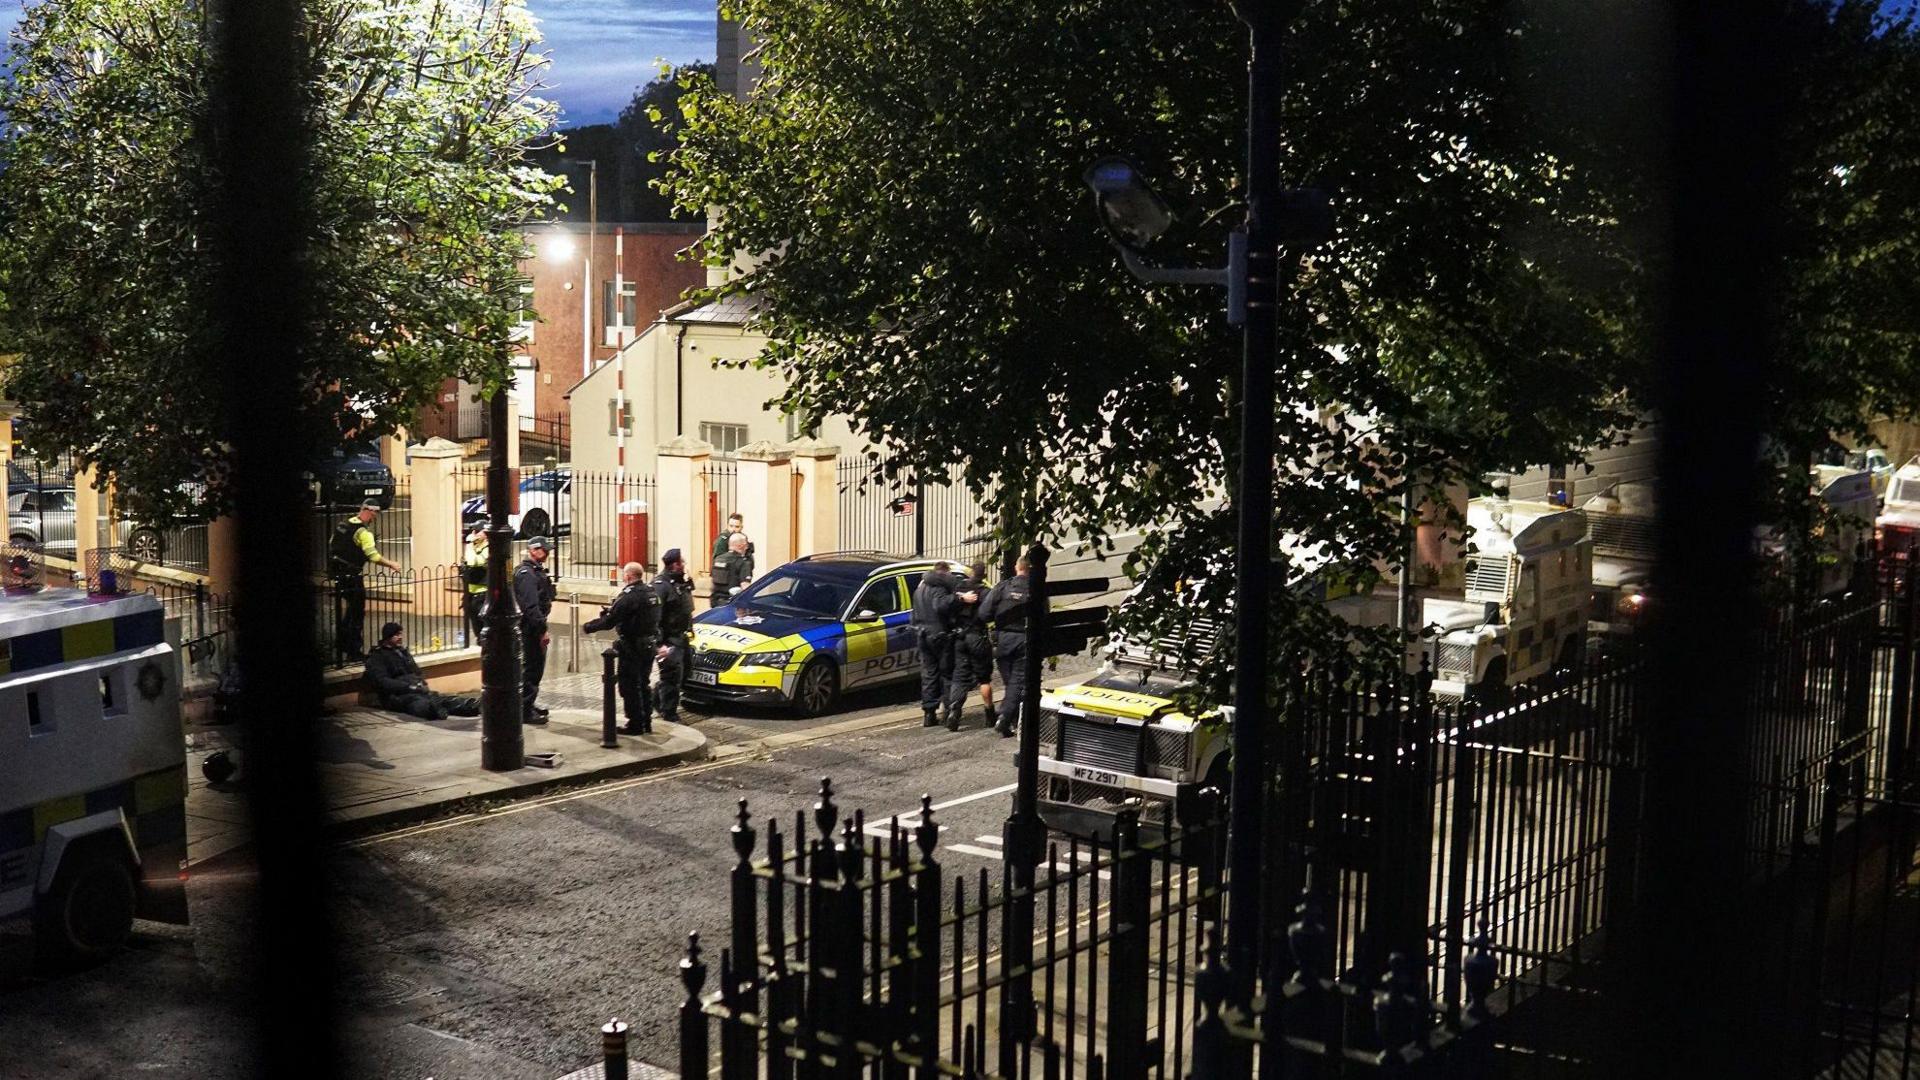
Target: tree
<point>419,112</point>
<point>648,129</point>
<point>929,265</point>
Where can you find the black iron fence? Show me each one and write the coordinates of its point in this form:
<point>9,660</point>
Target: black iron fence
<point>429,603</point>
<point>591,520</point>
<point>907,515</point>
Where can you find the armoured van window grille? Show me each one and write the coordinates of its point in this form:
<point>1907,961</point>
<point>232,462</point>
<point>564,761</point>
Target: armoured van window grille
<point>1107,746</point>
<point>1489,574</point>
<point>1452,657</point>
<point>1624,536</point>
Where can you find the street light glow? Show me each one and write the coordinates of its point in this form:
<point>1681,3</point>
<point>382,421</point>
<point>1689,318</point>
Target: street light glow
<point>558,248</point>
<point>1133,211</point>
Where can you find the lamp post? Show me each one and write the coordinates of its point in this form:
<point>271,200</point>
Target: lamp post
<point>502,742</point>
<point>586,278</point>
<point>1299,219</point>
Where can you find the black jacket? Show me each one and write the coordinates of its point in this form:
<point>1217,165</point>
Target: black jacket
<point>933,603</point>
<point>634,615</point>
<point>731,568</point>
<point>393,673</point>
<point>533,590</point>
<point>1006,606</point>
<point>971,618</point>
<point>676,606</point>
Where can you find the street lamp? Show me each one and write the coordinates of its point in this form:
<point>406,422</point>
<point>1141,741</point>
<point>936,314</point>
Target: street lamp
<point>1297,220</point>
<point>586,283</point>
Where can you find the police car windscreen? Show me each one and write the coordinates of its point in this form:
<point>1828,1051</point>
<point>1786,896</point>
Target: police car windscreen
<point>790,593</point>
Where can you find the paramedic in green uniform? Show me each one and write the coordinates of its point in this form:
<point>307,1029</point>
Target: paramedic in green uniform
<point>349,549</point>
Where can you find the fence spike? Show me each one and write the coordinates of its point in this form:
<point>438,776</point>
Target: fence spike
<point>1480,971</point>
<point>825,814</point>
<point>1394,1004</point>
<point>852,852</point>
<point>742,833</point>
<point>693,971</point>
<point>926,834</point>
<point>1307,938</point>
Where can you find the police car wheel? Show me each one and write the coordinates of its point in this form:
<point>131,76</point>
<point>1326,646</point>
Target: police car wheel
<point>817,689</point>
<point>89,911</point>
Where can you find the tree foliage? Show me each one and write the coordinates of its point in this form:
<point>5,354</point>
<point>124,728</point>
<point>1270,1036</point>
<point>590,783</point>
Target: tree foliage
<point>930,265</point>
<point>648,129</point>
<point>420,112</point>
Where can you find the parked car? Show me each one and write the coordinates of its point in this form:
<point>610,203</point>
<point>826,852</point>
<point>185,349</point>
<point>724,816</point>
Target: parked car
<point>43,519</point>
<point>349,475</point>
<point>546,506</point>
<point>804,632</point>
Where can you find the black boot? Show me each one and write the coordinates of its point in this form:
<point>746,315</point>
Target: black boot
<point>991,720</point>
<point>953,719</point>
<point>930,718</point>
<point>1005,727</point>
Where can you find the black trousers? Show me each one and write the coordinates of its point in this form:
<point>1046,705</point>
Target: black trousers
<point>350,606</point>
<point>633,670</point>
<point>474,603</point>
<point>936,669</point>
<point>426,703</point>
<point>533,668</point>
<point>673,675</point>
<point>972,666</point>
<point>1010,653</point>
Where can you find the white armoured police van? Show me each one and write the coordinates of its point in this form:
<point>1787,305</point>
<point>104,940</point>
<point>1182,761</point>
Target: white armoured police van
<point>93,777</point>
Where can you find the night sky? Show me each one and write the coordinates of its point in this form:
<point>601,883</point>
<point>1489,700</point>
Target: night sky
<point>603,50</point>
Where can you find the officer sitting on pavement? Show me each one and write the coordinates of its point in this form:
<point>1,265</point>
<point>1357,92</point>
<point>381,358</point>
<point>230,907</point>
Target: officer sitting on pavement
<point>634,617</point>
<point>676,629</point>
<point>396,678</point>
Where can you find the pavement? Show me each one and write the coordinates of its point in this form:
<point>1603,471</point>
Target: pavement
<point>382,769</point>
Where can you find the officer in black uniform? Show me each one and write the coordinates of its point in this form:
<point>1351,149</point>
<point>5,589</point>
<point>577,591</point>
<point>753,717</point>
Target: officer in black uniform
<point>932,621</point>
<point>1006,609</point>
<point>634,617</point>
<point>972,648</point>
<point>675,590</point>
<point>533,591</point>
<point>732,568</point>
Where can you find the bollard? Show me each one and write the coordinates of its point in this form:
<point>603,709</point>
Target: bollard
<point>608,737</point>
<point>573,641</point>
<point>613,1049</point>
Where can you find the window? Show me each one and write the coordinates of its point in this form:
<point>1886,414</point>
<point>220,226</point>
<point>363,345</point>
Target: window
<point>726,439</point>
<point>625,314</point>
<point>36,723</point>
<point>523,330</point>
<point>622,420</point>
<point>881,598</point>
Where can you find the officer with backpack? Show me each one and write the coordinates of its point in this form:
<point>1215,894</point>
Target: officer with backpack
<point>350,547</point>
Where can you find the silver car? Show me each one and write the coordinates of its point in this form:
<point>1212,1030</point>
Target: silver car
<point>44,519</point>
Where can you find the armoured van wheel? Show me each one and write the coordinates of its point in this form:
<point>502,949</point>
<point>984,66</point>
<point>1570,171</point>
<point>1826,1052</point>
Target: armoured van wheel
<point>88,913</point>
<point>23,540</point>
<point>818,688</point>
<point>534,524</point>
<point>147,544</point>
<point>1491,693</point>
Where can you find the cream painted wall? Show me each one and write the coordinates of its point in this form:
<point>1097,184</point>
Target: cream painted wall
<point>720,395</point>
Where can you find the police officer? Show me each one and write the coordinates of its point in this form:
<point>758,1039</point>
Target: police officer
<point>932,621</point>
<point>731,569</point>
<point>676,630</point>
<point>473,571</point>
<point>533,591</point>
<point>1006,609</point>
<point>972,648</point>
<point>634,617</point>
<point>350,548</point>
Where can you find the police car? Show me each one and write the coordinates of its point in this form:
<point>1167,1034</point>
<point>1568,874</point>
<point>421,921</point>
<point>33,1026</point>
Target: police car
<point>808,631</point>
<point>93,779</point>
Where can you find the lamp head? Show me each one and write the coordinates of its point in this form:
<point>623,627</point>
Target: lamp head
<point>557,248</point>
<point>1133,211</point>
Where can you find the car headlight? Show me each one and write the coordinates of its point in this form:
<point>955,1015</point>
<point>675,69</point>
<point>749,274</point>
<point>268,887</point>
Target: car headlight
<point>767,659</point>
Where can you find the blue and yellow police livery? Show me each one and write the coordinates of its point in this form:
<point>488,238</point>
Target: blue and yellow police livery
<point>93,779</point>
<point>805,632</point>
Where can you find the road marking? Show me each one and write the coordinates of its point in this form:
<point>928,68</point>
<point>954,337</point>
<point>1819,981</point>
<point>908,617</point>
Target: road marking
<point>969,849</point>
<point>884,828</point>
<point>996,841</point>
